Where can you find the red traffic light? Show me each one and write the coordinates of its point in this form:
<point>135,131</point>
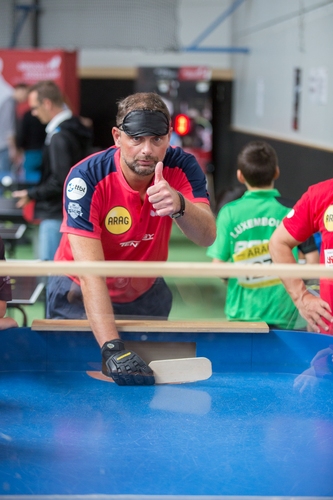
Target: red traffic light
<point>182,124</point>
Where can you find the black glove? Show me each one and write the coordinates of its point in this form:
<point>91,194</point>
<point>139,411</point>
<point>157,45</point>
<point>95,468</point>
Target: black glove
<point>125,367</point>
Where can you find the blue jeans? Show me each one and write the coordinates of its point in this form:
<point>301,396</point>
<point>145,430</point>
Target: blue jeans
<point>64,301</point>
<point>48,238</point>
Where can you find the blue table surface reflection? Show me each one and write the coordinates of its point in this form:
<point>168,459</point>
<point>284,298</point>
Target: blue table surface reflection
<point>262,425</point>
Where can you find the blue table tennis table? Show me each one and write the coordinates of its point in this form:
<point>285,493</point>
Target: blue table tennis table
<point>260,428</point>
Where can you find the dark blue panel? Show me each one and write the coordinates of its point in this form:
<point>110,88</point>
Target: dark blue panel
<point>22,349</point>
<point>276,351</point>
<point>227,351</point>
<point>286,351</point>
<point>72,351</point>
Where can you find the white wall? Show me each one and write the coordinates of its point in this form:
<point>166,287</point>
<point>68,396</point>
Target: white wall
<point>194,17</point>
<point>106,33</point>
<point>281,35</point>
<point>281,38</point>
<point>6,23</point>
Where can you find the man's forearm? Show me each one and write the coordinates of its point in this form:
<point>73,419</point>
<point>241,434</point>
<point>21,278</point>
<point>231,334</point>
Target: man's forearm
<point>296,289</point>
<point>198,224</point>
<point>99,309</point>
<point>282,254</point>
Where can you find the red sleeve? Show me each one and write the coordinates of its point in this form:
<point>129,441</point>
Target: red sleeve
<point>300,220</point>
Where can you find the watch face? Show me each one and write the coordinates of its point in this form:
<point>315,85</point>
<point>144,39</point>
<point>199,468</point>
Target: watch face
<point>176,215</point>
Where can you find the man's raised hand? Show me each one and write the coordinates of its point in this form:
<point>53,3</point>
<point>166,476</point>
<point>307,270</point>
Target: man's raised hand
<point>161,195</point>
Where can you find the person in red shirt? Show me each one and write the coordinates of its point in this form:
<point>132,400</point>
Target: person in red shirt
<point>119,204</point>
<point>313,213</point>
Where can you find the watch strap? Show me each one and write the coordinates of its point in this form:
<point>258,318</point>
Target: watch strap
<point>181,212</point>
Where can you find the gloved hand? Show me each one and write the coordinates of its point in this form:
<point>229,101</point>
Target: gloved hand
<point>125,367</point>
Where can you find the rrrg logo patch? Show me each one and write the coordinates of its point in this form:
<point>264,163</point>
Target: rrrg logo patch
<point>118,220</point>
<point>328,218</point>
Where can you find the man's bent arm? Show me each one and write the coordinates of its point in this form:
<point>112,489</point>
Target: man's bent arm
<point>313,309</point>
<point>280,248</point>
<point>96,297</point>
<point>198,223</point>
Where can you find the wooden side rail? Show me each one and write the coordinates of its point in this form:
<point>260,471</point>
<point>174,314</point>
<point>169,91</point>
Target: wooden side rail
<point>181,326</point>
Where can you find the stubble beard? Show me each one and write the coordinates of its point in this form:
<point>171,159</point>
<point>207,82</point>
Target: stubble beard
<point>139,170</point>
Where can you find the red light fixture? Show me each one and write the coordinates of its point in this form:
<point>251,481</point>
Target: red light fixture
<point>182,124</point>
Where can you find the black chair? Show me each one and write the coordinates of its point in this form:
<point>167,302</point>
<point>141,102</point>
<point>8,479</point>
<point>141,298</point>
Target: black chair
<point>9,212</point>
<point>25,292</point>
<point>11,233</point>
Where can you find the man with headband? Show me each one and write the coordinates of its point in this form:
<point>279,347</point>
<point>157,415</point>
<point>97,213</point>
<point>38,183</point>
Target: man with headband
<point>119,204</point>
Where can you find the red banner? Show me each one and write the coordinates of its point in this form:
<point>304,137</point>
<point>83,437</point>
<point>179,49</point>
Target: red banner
<point>31,66</point>
<point>194,73</point>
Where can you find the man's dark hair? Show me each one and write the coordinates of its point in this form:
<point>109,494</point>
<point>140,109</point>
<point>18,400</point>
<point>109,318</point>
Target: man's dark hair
<point>47,89</point>
<point>141,100</point>
<point>21,85</point>
<point>258,162</point>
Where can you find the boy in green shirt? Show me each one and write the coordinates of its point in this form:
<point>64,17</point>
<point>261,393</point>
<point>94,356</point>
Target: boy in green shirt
<point>244,227</point>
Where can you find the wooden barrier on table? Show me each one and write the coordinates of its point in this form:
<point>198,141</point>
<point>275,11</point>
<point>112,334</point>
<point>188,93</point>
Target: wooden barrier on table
<point>154,326</point>
<point>150,350</point>
<point>154,269</point>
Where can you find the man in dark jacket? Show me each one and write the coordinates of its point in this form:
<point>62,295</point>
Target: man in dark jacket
<point>67,142</point>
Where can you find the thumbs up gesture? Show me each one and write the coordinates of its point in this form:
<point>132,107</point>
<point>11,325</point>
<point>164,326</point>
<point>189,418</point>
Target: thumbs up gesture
<point>161,195</point>
<point>158,173</point>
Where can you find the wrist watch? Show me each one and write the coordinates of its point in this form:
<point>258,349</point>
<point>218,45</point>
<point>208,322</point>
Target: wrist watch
<point>181,212</point>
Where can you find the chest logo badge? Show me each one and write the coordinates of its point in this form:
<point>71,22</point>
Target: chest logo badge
<point>328,218</point>
<point>118,220</point>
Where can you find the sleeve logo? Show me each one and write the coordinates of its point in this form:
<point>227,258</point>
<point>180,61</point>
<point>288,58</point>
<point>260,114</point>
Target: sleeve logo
<point>74,210</point>
<point>76,189</point>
